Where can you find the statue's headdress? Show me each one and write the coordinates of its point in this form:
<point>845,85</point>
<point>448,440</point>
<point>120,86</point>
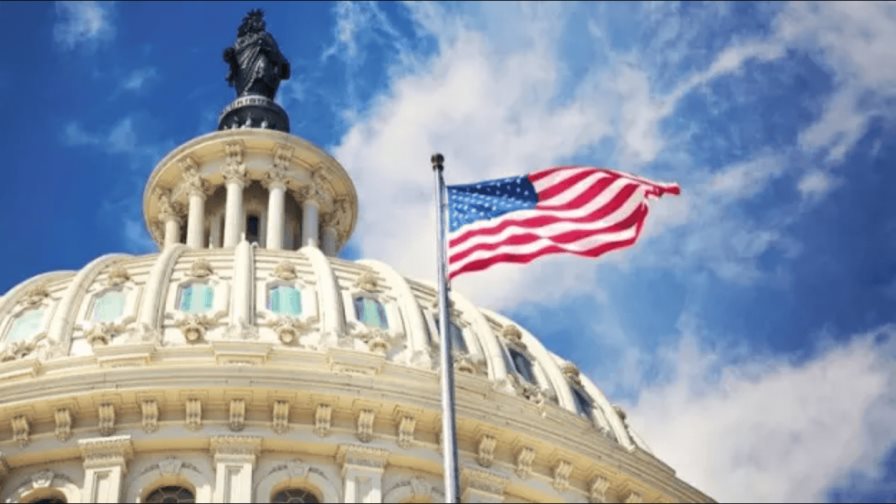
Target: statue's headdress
<point>253,22</point>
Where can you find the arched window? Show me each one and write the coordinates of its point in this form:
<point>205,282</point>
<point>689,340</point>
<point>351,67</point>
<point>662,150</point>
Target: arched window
<point>54,497</point>
<point>108,306</point>
<point>294,496</point>
<point>26,325</point>
<point>584,406</point>
<point>370,312</point>
<point>196,297</point>
<point>457,336</point>
<point>522,365</point>
<point>285,300</point>
<point>171,494</point>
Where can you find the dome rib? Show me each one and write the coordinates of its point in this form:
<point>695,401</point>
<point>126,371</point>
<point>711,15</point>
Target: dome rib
<point>491,347</point>
<point>332,318</point>
<point>152,304</point>
<point>65,314</point>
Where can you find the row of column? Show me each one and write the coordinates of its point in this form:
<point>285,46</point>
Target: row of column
<point>235,182</point>
<point>235,457</point>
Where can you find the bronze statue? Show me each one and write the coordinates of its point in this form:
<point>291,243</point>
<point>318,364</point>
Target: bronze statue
<point>256,64</point>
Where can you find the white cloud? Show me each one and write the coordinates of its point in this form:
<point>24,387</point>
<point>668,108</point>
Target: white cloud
<point>82,23</point>
<point>816,184</point>
<point>120,139</point>
<point>772,429</point>
<point>138,78</point>
<point>357,23</point>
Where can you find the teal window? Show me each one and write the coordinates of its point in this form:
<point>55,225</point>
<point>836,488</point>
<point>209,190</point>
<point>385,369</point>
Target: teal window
<point>196,298</point>
<point>370,312</point>
<point>285,300</point>
<point>522,365</point>
<point>457,336</point>
<point>583,402</point>
<point>108,306</point>
<point>26,325</point>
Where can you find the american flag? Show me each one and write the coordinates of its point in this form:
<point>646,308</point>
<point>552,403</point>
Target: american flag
<point>581,210</point>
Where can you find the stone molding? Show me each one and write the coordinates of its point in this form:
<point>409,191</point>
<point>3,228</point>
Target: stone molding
<point>107,451</point>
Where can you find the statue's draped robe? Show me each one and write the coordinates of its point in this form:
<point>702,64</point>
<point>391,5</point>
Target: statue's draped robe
<point>259,65</point>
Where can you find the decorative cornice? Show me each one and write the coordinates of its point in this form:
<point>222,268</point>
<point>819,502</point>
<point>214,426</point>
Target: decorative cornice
<point>63,418</point>
<point>282,156</point>
<point>485,450</point>
<point>21,430</point>
<point>365,425</point>
<point>285,270</point>
<point>106,421</point>
<point>150,415</point>
<point>235,445</point>
<point>193,413</point>
<point>237,414</point>
<point>562,469</point>
<point>107,451</point>
<point>406,427</point>
<point>280,417</point>
<point>322,417</point>
<point>193,183</point>
<point>234,169</point>
<point>200,268</point>
<point>483,480</point>
<point>525,455</point>
<point>117,276</point>
<point>597,491</point>
<point>168,208</point>
<point>360,456</point>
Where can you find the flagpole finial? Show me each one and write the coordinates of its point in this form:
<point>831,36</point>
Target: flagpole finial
<point>437,160</point>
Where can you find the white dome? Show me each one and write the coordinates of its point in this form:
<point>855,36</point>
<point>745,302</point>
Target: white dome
<point>125,328</point>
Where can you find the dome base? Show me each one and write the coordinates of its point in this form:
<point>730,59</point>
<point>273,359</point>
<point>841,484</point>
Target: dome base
<point>254,111</point>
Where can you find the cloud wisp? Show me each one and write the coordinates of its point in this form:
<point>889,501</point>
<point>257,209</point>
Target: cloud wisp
<point>82,24</point>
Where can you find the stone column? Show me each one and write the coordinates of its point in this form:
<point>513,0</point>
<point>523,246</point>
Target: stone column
<point>196,188</point>
<point>169,218</point>
<point>234,462</point>
<point>362,472</point>
<point>235,178</point>
<point>276,184</point>
<point>105,464</point>
<point>310,210</point>
<point>479,485</point>
<point>329,235</point>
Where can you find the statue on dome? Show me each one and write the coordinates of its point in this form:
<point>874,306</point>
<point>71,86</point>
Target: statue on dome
<point>256,64</point>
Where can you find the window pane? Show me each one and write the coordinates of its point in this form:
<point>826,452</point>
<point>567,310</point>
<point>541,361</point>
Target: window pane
<point>370,312</point>
<point>197,298</point>
<point>583,403</point>
<point>457,336</point>
<point>523,366</point>
<point>285,299</point>
<point>25,326</point>
<point>109,306</point>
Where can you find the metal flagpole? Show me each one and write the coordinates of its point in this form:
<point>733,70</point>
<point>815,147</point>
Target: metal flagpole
<point>449,436</point>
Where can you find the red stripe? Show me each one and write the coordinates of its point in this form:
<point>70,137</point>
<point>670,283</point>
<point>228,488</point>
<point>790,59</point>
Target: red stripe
<point>550,192</point>
<point>571,236</point>
<point>591,193</point>
<point>487,262</point>
<point>538,175</point>
<point>544,220</point>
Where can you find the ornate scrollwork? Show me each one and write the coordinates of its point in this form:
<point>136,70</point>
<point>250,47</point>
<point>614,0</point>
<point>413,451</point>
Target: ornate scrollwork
<point>289,329</point>
<point>194,326</point>
<point>572,373</point>
<point>117,276</point>
<point>285,271</point>
<point>101,333</point>
<point>21,349</point>
<point>200,268</point>
<point>513,334</point>
<point>367,281</point>
<point>465,363</point>
<point>35,295</point>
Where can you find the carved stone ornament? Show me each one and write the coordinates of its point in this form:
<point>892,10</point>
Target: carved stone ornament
<point>367,281</point>
<point>289,329</point>
<point>194,184</point>
<point>168,208</point>
<point>598,489</point>
<point>150,413</point>
<point>237,415</point>
<point>194,326</point>
<point>632,497</point>
<point>193,410</point>
<point>117,276</point>
<point>35,295</point>
<point>562,470</point>
<point>512,334</point>
<point>484,481</point>
<point>361,456</point>
<point>285,270</point>
<point>485,451</point>
<point>282,156</point>
<point>170,466</point>
<point>465,363</point>
<point>365,425</point>
<point>42,479</point>
<point>22,349</point>
<point>572,373</point>
<point>524,458</point>
<point>322,417</point>
<point>280,417</point>
<point>406,431</point>
<point>297,469</point>
<point>101,333</point>
<point>530,391</point>
<point>21,430</point>
<point>63,419</point>
<point>275,178</point>
<point>106,424</point>
<point>200,268</point>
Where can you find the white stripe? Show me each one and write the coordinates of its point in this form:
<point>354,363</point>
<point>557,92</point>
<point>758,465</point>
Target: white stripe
<point>550,230</point>
<point>575,190</point>
<point>582,245</point>
<point>591,206</point>
<point>557,177</point>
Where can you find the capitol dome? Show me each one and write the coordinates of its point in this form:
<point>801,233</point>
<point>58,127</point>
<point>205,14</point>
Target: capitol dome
<point>246,362</point>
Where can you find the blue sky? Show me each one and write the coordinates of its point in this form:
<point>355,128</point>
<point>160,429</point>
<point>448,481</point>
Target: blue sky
<point>749,334</point>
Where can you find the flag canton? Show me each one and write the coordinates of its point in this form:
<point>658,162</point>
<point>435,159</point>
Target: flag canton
<point>487,200</point>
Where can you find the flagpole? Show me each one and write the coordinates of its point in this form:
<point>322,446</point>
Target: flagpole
<point>449,436</point>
